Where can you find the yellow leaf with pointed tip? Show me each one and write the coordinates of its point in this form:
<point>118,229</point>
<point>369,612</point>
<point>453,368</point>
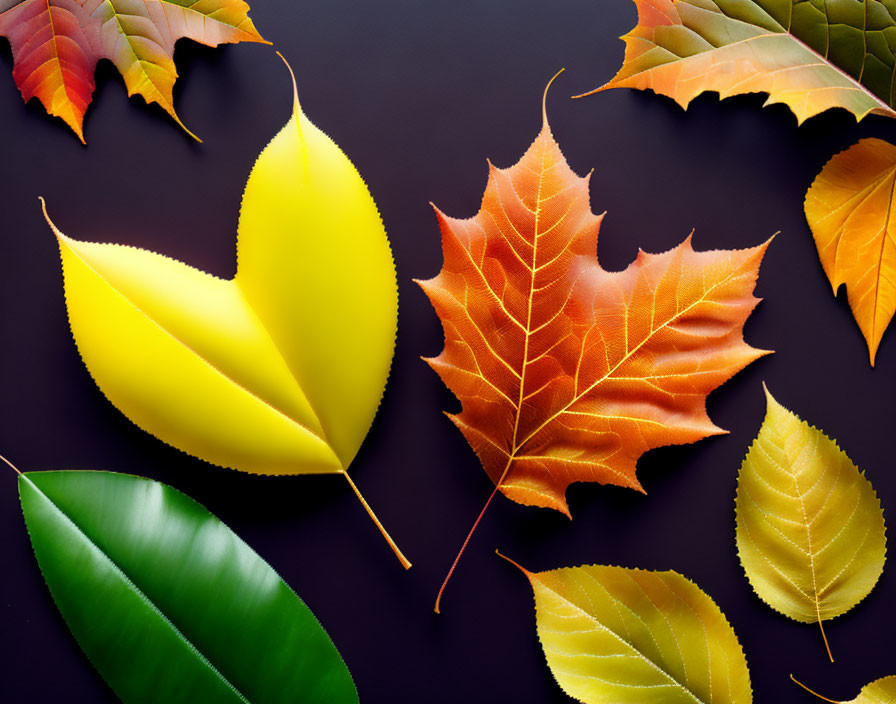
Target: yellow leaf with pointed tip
<point>882,691</point>
<point>277,371</point>
<point>625,636</point>
<point>850,211</point>
<point>810,529</point>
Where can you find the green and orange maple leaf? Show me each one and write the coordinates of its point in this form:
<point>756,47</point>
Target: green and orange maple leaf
<point>809,55</point>
<point>567,372</point>
<point>56,45</point>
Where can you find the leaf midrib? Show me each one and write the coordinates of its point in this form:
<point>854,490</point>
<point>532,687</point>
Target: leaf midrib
<point>622,640</point>
<point>131,584</point>
<point>322,437</point>
<point>856,85</point>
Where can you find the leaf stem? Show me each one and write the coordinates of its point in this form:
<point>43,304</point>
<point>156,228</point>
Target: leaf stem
<point>825,638</point>
<point>11,465</point>
<point>825,699</point>
<point>464,547</point>
<point>401,558</point>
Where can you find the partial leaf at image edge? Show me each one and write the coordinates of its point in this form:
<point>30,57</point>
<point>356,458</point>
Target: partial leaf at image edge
<point>57,44</point>
<point>612,635</point>
<point>808,57</point>
<point>810,529</point>
<point>850,210</point>
<point>167,602</point>
<point>882,691</point>
<point>255,373</point>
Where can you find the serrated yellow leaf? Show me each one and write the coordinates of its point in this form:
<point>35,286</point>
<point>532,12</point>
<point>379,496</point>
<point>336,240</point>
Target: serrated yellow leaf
<point>278,371</point>
<point>810,529</point>
<point>882,691</point>
<point>626,636</point>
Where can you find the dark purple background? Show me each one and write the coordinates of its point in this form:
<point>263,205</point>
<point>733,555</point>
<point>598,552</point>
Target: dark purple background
<point>418,94</point>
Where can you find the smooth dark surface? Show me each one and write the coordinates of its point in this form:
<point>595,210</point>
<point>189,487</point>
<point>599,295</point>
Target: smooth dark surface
<point>418,95</point>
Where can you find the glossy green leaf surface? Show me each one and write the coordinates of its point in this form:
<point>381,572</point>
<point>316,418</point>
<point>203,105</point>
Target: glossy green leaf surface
<point>168,603</point>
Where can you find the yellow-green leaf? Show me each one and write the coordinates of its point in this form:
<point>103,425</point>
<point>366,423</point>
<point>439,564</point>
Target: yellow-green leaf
<point>626,636</point>
<point>882,691</point>
<point>810,529</point>
<point>277,371</point>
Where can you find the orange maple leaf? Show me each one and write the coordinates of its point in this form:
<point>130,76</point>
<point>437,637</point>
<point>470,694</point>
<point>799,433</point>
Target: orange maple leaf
<point>568,372</point>
<point>56,45</point>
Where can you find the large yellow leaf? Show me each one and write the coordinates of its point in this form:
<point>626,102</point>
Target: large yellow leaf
<point>850,210</point>
<point>882,691</point>
<point>810,529</point>
<point>278,371</point>
<point>626,636</point>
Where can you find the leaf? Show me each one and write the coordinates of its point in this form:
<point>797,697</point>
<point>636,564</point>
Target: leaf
<point>849,208</point>
<point>277,371</point>
<point>568,372</point>
<point>810,56</point>
<point>56,45</point>
<point>614,635</point>
<point>882,691</point>
<point>167,602</point>
<point>810,529</point>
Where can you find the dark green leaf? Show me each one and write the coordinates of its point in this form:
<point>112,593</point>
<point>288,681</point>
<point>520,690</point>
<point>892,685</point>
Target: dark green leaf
<point>168,603</point>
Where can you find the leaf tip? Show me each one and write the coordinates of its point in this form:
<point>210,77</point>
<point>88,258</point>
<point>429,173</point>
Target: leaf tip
<point>544,100</point>
<point>56,231</point>
<point>514,563</point>
<point>297,108</point>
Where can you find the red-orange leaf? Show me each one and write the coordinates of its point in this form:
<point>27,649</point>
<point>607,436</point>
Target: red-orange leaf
<point>567,372</point>
<point>56,45</point>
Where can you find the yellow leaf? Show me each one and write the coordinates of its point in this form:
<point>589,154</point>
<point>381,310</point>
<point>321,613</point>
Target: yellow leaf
<point>618,636</point>
<point>810,529</point>
<point>278,371</point>
<point>850,210</point>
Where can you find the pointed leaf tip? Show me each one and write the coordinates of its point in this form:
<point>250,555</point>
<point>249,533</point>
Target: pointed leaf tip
<point>297,107</point>
<point>514,563</point>
<point>544,100</point>
<point>56,231</point>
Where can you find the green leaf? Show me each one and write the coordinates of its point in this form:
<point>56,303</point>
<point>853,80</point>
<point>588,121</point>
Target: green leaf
<point>810,529</point>
<point>625,636</point>
<point>168,603</point>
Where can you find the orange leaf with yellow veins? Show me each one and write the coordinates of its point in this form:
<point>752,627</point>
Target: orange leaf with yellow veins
<point>850,210</point>
<point>807,54</point>
<point>567,372</point>
<point>56,45</point>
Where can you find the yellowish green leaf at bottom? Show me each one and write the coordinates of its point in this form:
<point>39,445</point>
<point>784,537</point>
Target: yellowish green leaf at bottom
<point>810,528</point>
<point>625,636</point>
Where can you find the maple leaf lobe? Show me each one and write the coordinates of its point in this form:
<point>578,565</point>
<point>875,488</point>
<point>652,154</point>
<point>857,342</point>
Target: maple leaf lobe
<point>56,45</point>
<point>567,372</point>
